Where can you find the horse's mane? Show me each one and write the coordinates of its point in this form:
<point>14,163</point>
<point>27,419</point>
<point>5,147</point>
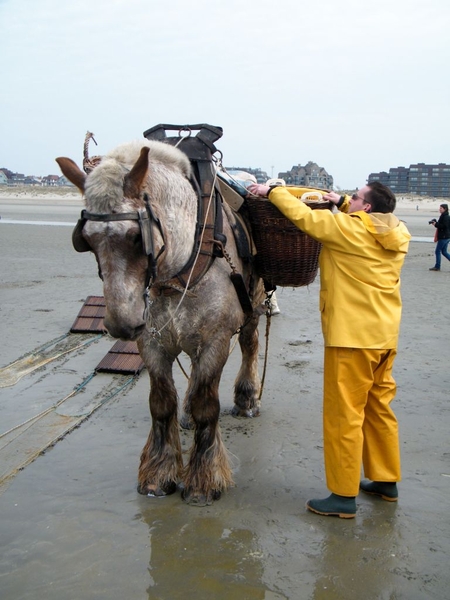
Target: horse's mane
<point>104,185</point>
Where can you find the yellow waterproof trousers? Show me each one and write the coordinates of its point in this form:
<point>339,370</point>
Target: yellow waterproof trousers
<point>358,423</point>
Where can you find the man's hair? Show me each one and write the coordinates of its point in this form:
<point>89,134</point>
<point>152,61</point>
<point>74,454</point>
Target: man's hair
<point>381,198</point>
<point>445,207</point>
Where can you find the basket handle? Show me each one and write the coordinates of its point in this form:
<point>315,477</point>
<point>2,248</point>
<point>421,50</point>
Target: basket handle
<point>311,197</point>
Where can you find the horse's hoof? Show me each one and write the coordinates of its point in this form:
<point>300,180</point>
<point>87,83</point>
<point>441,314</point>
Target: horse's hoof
<point>247,413</point>
<point>200,499</point>
<point>153,491</point>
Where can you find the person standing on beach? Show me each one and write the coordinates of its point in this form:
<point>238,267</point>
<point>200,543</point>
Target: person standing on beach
<point>442,236</point>
<point>363,250</point>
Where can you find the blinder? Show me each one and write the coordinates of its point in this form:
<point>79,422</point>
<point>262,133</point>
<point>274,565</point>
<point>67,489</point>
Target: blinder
<point>78,241</point>
<point>145,218</point>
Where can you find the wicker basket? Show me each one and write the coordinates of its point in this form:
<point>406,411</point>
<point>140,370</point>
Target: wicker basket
<point>285,256</point>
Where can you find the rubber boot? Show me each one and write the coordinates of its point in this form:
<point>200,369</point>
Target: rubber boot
<point>343,507</point>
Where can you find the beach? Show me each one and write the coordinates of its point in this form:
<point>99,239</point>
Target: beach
<point>70,193</point>
<point>72,524</point>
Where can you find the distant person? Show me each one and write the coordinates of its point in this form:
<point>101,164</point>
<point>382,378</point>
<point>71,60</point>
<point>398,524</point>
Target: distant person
<point>442,236</point>
<point>363,250</point>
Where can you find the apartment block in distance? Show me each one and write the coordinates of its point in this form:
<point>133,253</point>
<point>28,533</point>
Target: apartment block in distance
<point>419,179</point>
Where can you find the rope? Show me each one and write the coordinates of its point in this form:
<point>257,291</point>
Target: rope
<point>184,292</point>
<point>8,374</point>
<point>229,354</point>
<point>38,350</point>
<point>29,455</point>
<point>266,352</point>
<point>238,183</point>
<point>233,268</point>
<point>158,332</point>
<point>182,369</point>
<point>89,164</point>
<point>114,393</point>
<point>47,410</point>
<point>75,391</point>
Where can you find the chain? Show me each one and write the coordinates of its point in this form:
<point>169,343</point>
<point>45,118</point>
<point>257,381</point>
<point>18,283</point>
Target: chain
<point>226,256</point>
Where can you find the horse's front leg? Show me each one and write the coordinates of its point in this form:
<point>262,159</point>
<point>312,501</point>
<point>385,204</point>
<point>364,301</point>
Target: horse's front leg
<point>161,459</point>
<point>247,385</point>
<point>207,473</point>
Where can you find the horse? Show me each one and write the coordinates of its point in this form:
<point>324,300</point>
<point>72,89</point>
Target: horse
<point>140,222</point>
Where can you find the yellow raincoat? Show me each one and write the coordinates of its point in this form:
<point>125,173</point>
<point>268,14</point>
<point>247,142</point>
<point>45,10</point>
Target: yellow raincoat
<point>360,265</point>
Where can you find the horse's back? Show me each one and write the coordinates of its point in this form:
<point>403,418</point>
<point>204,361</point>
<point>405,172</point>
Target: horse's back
<point>128,153</point>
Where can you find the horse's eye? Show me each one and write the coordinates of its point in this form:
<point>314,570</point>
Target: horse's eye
<point>136,239</point>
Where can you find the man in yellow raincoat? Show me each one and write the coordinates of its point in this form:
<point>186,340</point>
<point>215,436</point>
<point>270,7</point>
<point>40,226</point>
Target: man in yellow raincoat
<point>363,250</point>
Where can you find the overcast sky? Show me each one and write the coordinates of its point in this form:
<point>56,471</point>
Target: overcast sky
<point>352,85</point>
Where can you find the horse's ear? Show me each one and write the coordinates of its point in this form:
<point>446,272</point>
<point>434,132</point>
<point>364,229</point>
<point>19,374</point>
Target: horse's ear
<point>72,172</point>
<point>134,180</point>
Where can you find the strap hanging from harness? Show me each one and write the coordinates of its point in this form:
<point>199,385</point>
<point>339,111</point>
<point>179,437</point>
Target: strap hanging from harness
<point>209,236</point>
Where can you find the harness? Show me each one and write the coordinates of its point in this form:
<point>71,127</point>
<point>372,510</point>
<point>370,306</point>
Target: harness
<point>145,217</point>
<point>209,237</point>
<point>209,240</point>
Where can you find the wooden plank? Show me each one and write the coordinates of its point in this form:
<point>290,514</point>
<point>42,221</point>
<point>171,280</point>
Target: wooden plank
<point>123,356</point>
<point>90,318</point>
<point>115,362</point>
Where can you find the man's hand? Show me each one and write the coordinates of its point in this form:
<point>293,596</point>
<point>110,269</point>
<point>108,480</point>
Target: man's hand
<point>332,197</point>
<point>258,189</point>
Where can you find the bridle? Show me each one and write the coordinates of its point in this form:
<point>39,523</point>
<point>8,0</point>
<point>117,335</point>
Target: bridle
<point>146,218</point>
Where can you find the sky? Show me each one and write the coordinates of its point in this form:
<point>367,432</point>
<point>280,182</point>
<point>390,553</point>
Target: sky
<point>355,86</point>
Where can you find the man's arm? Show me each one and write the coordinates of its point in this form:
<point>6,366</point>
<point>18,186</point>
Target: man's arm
<point>341,202</point>
<point>319,224</point>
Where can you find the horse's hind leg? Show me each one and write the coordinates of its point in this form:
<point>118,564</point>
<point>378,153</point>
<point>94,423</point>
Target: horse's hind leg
<point>208,471</point>
<point>247,385</point>
<point>161,460</point>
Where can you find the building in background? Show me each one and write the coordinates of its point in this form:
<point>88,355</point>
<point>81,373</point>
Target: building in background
<point>419,179</point>
<point>310,175</point>
<point>11,179</point>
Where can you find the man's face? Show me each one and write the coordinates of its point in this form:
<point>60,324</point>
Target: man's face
<point>357,201</point>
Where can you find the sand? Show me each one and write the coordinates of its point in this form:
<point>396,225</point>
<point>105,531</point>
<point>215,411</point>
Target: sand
<point>69,194</point>
<point>72,524</point>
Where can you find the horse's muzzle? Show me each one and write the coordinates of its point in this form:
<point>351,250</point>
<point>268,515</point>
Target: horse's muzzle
<point>123,332</point>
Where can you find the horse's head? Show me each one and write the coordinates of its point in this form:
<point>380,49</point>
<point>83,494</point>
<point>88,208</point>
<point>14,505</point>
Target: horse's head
<point>120,227</point>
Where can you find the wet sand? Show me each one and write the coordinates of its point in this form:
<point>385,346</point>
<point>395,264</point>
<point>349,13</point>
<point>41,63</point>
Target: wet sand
<point>72,524</point>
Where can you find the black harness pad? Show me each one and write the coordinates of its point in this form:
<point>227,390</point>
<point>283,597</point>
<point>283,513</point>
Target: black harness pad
<point>78,241</point>
<point>241,236</point>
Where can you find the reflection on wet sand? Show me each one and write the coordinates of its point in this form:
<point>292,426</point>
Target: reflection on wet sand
<point>212,560</point>
<point>362,559</point>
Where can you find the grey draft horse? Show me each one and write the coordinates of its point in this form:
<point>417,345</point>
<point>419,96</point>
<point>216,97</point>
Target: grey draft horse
<point>150,179</point>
